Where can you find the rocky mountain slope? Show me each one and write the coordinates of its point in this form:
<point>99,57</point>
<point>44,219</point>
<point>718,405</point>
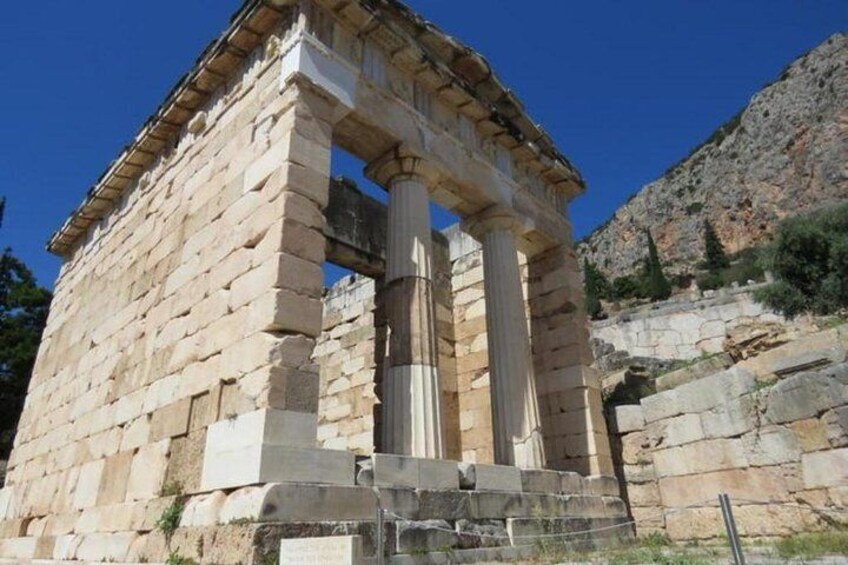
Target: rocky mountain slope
<point>786,152</point>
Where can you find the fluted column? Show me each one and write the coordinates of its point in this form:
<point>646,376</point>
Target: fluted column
<point>515,411</point>
<point>411,391</point>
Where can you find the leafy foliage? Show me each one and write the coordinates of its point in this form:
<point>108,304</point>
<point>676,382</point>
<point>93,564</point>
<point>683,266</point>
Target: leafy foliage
<point>23,315</point>
<point>169,521</point>
<point>629,286</point>
<point>809,259</point>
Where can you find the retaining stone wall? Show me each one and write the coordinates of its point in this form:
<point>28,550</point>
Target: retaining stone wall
<point>683,328</point>
<point>771,428</point>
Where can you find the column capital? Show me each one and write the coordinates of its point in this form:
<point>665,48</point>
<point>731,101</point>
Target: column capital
<point>401,163</point>
<point>494,218</point>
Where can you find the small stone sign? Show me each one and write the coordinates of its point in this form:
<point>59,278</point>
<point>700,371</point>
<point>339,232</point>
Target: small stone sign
<point>336,550</point>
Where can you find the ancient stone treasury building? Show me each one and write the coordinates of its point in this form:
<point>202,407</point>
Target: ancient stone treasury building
<point>192,359</point>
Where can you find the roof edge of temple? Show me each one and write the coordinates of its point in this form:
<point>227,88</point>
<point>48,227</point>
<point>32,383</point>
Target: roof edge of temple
<point>252,21</point>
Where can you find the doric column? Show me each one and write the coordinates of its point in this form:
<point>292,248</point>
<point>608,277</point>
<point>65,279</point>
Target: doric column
<point>411,391</point>
<point>515,411</point>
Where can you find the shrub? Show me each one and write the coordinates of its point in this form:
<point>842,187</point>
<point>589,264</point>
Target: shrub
<point>809,259</point>
<point>628,286</point>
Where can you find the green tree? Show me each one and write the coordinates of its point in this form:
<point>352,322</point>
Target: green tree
<point>658,286</point>
<point>590,288</point>
<point>23,315</point>
<point>715,259</point>
<point>809,259</point>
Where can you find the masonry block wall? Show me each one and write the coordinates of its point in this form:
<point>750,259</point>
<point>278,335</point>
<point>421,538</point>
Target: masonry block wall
<point>772,432</point>
<point>195,300</point>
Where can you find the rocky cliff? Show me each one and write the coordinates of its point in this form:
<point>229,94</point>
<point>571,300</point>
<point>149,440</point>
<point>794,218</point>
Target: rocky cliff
<point>786,152</point>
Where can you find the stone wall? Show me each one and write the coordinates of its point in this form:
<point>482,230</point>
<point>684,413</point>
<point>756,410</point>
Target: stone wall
<point>683,328</point>
<point>772,429</point>
<point>352,346</point>
<point>177,310</point>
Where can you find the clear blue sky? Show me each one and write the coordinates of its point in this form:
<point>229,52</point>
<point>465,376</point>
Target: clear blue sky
<point>625,88</point>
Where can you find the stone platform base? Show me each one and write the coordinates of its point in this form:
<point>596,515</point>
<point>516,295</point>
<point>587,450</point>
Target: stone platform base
<point>431,508</point>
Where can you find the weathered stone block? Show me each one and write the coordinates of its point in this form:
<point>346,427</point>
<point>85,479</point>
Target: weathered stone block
<point>602,485</point>
<point>571,483</point>
<point>700,395</point>
<point>399,471</point>
<point>497,478</point>
<point>771,446</point>
<point>171,420</point>
<point>336,550</point>
<point>730,419</point>
<point>836,426</point>
<point>700,457</point>
<point>678,430</point>
<point>203,510</point>
<point>825,468</point>
<point>147,472</point>
<point>539,480</point>
<point>627,418</point>
<point>113,482</point>
<point>807,394</point>
<point>424,536</point>
<point>88,484</point>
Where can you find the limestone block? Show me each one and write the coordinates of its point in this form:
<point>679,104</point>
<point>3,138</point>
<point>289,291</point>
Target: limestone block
<point>147,473</point>
<point>836,426</point>
<point>799,355</point>
<point>698,396</point>
<point>539,480</point>
<point>336,550</point>
<point>412,472</point>
<point>762,483</point>
<point>646,495</point>
<point>185,461</point>
<point>88,484</point>
<point>825,468</point>
<point>275,464</point>
<point>113,482</point>
<point>65,547</point>
<point>602,485</point>
<point>424,536</point>
<point>811,434</point>
<point>21,550</point>
<point>301,503</point>
<point>497,478</point>
<point>109,518</point>
<point>771,445</point>
<point>807,394</point>
<point>627,418</point>
<point>700,457</point>
<point>732,418</point>
<point>482,533</point>
<point>443,504</point>
<point>263,427</point>
<point>105,547</point>
<point>678,430</point>
<point>282,310</point>
<point>571,483</point>
<point>203,510</point>
<point>171,420</point>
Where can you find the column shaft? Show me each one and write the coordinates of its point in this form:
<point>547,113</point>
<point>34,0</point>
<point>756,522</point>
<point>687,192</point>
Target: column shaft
<point>515,411</point>
<point>412,422</point>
